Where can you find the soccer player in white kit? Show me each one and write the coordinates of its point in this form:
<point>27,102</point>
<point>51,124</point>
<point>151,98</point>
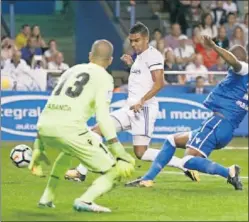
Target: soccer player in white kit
<point>141,109</point>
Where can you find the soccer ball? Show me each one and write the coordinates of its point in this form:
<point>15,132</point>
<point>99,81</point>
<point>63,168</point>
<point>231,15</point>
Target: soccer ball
<point>21,155</point>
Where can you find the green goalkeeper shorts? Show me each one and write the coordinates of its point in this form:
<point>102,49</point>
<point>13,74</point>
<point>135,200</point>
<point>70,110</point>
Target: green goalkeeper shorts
<point>93,154</point>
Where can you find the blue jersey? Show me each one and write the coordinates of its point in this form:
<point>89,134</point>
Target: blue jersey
<point>230,96</point>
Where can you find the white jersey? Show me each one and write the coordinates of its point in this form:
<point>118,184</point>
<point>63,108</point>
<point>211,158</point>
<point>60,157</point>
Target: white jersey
<point>140,79</point>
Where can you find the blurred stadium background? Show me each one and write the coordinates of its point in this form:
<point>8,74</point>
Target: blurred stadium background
<point>41,39</point>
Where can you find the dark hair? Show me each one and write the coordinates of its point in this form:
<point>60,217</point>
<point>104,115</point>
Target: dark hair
<point>157,30</point>
<point>140,28</point>
<point>230,13</point>
<point>204,18</point>
<point>198,78</point>
<point>25,25</point>
<point>51,40</point>
<point>4,37</point>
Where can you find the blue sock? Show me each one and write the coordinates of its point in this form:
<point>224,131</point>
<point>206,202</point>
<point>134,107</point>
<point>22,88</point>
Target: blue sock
<point>163,157</point>
<point>206,166</point>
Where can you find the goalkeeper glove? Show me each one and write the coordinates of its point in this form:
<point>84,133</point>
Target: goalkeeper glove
<point>119,153</point>
<point>125,162</point>
<point>124,168</point>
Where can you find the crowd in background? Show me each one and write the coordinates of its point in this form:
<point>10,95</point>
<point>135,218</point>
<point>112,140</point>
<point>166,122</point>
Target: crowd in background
<point>182,47</point>
<point>29,50</point>
<point>26,53</point>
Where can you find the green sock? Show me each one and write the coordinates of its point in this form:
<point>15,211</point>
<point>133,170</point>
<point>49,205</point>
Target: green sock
<point>100,186</point>
<point>36,153</point>
<point>60,166</point>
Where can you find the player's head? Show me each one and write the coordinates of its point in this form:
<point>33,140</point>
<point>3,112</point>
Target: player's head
<point>101,53</point>
<point>139,37</point>
<point>239,52</point>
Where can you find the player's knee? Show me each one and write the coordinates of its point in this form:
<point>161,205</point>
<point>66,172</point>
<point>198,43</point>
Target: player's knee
<point>185,159</point>
<point>96,130</point>
<point>171,139</point>
<point>193,152</point>
<point>139,155</point>
<point>181,139</point>
<point>139,151</point>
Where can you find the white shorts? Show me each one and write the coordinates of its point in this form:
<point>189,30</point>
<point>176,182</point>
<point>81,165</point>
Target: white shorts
<point>140,124</point>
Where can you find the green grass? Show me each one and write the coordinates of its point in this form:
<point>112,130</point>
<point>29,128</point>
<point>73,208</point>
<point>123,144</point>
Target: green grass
<point>174,197</point>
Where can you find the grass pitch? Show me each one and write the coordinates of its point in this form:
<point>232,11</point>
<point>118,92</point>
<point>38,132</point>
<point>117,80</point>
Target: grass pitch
<point>174,196</point>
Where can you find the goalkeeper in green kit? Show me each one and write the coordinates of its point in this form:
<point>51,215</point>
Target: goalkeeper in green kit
<point>82,91</point>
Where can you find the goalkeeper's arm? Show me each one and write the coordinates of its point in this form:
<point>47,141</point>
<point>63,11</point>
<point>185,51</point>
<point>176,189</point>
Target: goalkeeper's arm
<point>102,105</point>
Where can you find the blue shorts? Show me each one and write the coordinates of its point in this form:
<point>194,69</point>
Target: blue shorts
<point>214,133</point>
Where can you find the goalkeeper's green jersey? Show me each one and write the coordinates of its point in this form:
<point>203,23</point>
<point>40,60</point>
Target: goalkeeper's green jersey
<point>82,91</point>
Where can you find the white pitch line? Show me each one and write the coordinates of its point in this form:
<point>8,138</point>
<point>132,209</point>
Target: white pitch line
<point>179,173</point>
<point>236,148</point>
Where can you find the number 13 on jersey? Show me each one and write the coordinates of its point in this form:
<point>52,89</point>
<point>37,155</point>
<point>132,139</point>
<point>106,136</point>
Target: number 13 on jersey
<point>77,88</point>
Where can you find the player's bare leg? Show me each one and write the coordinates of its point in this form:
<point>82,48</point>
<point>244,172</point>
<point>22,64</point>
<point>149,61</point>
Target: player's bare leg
<point>181,140</point>
<point>139,151</point>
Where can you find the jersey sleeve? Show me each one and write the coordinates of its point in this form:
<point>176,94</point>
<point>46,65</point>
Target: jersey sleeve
<point>102,107</point>
<point>155,61</point>
<point>244,69</point>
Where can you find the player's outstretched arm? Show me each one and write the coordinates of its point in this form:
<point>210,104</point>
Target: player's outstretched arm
<point>225,54</point>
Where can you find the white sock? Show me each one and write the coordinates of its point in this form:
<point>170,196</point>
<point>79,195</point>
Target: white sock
<point>150,154</point>
<point>98,136</point>
<point>82,170</point>
<point>176,162</point>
